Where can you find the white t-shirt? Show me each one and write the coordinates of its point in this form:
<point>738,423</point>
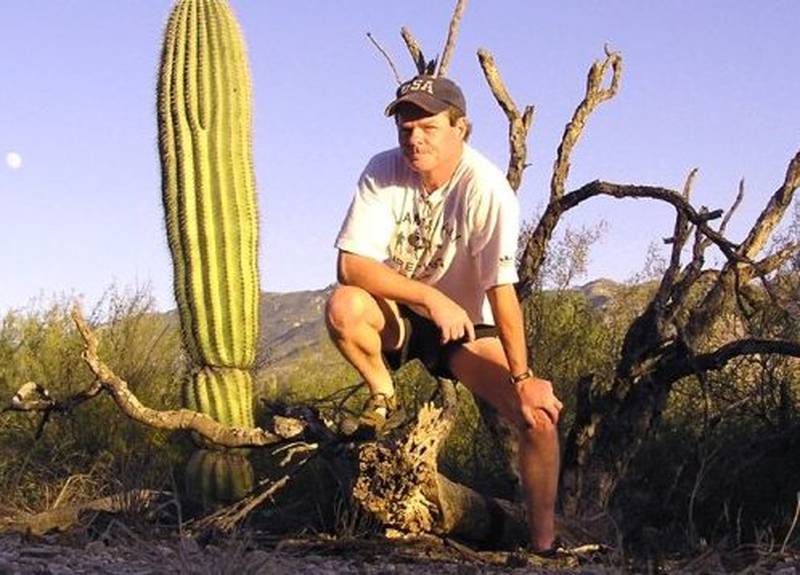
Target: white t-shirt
<point>460,238</point>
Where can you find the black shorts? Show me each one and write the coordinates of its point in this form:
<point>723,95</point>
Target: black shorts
<point>423,340</point>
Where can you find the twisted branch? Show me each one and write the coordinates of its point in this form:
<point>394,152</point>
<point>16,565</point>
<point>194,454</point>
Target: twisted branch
<point>595,95</point>
<point>414,49</point>
<point>756,239</point>
<point>170,420</point>
<point>385,55</point>
<point>720,357</point>
<point>533,255</point>
<point>678,240</point>
<point>518,124</point>
<point>452,33</point>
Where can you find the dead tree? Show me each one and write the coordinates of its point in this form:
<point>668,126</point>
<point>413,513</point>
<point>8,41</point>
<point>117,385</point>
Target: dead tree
<point>667,341</point>
<point>664,344</point>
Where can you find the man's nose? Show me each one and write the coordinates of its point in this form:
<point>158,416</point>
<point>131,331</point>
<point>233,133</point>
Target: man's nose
<point>415,135</point>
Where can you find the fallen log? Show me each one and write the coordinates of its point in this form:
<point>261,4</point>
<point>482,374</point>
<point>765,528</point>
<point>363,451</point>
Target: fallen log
<point>398,481</point>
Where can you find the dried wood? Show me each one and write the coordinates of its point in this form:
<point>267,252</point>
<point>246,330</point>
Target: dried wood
<point>414,49</point>
<point>452,34</point>
<point>385,55</point>
<point>68,516</point>
<point>398,482</point>
<point>181,419</point>
<point>519,124</point>
<point>595,95</point>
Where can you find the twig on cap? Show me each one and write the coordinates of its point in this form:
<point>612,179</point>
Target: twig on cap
<point>414,50</point>
<point>385,55</point>
<point>450,43</point>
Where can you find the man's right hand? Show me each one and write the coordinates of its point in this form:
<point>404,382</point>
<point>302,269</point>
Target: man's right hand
<point>452,320</point>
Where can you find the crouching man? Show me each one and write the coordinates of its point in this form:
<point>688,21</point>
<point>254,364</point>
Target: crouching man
<point>427,270</point>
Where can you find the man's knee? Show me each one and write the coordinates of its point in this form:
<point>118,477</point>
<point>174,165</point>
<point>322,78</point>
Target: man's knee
<point>543,433</point>
<point>347,307</point>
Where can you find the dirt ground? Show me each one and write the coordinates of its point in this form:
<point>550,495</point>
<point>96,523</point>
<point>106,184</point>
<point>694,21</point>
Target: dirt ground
<point>119,550</point>
<point>126,553</point>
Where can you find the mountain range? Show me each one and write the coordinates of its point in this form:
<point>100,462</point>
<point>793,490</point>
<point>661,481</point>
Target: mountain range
<point>293,329</point>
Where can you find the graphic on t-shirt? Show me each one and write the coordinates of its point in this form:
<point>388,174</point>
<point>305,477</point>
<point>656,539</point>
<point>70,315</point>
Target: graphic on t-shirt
<point>419,246</point>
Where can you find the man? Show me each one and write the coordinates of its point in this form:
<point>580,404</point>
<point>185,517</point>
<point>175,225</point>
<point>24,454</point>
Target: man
<point>427,269</point>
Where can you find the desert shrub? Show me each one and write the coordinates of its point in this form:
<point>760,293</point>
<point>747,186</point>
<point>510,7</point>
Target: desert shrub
<point>722,466</point>
<point>569,338</point>
<point>41,344</point>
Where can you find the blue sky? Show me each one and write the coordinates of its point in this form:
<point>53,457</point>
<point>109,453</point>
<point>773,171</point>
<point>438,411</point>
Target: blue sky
<point>708,84</point>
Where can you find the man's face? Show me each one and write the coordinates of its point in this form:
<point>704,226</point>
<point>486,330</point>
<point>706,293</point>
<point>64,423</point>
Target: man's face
<point>428,141</point>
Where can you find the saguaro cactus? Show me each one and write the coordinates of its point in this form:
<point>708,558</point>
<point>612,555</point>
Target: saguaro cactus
<point>208,187</point>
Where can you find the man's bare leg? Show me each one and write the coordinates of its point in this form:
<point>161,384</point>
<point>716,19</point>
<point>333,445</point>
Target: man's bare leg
<point>481,366</point>
<point>361,326</point>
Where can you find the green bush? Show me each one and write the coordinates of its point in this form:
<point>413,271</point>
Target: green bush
<point>41,344</point>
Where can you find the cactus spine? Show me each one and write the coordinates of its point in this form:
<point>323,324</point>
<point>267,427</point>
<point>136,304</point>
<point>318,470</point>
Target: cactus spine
<point>208,187</point>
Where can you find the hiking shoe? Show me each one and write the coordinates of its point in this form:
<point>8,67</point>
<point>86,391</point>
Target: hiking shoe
<point>372,422</point>
<point>524,557</point>
<point>556,550</point>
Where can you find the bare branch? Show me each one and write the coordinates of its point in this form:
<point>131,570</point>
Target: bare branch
<point>773,212</point>
<point>385,55</point>
<point>774,261</point>
<point>719,358</point>
<point>705,242</point>
<point>33,397</point>
<point>228,518</point>
<point>413,48</point>
<point>595,95</point>
<point>181,419</point>
<point>679,237</point>
<point>518,124</point>
<point>732,210</point>
<point>690,275</point>
<point>533,255</point>
<point>693,270</point>
<point>452,33</point>
<point>699,219</point>
<point>727,281</point>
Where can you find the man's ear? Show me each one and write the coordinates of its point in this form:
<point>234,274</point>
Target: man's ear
<point>461,126</point>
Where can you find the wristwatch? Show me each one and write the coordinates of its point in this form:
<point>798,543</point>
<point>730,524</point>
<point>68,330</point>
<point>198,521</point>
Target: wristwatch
<point>520,377</point>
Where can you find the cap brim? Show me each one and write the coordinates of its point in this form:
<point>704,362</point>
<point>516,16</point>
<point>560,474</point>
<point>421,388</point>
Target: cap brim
<point>419,99</point>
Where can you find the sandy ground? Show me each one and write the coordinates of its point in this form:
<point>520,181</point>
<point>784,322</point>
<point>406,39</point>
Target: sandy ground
<point>121,551</point>
<point>134,555</point>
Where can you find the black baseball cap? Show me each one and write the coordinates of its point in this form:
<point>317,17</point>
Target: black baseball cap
<point>431,93</point>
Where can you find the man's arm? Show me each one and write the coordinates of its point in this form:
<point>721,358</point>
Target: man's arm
<point>382,281</point>
<point>536,395</point>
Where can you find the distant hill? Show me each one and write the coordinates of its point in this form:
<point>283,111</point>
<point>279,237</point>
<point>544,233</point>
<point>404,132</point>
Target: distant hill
<point>293,329</point>
<point>600,291</point>
<point>292,321</point>
<point>294,338</point>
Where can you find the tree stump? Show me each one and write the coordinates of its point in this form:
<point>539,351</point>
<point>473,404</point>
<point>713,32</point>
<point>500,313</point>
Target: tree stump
<point>397,480</point>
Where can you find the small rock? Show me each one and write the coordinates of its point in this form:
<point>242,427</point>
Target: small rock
<point>517,559</point>
<point>40,552</point>
<point>96,546</point>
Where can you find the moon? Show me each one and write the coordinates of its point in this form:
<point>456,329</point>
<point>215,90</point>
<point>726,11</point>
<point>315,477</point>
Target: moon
<point>13,160</point>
